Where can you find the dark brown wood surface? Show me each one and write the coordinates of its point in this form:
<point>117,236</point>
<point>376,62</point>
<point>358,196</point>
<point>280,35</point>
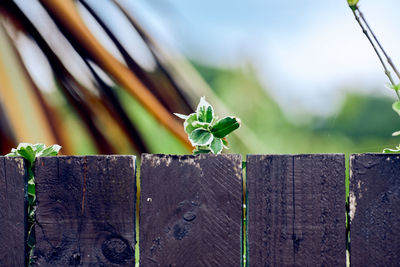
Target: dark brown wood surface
<point>86,211</point>
<point>375,210</point>
<point>13,176</point>
<point>190,210</point>
<point>296,210</point>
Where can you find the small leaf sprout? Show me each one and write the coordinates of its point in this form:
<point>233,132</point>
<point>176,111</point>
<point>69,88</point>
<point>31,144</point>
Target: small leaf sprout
<point>206,132</point>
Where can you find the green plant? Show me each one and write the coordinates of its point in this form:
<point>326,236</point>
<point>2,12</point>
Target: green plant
<point>30,152</point>
<point>378,48</point>
<point>205,131</point>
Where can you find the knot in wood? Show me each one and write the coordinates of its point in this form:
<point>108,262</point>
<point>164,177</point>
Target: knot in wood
<point>180,230</point>
<point>117,250</point>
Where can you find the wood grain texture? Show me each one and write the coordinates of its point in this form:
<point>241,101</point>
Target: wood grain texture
<point>296,210</point>
<point>86,211</point>
<point>375,210</point>
<point>13,208</point>
<point>190,210</point>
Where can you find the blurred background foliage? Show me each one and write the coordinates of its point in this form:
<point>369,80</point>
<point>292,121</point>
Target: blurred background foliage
<point>69,76</point>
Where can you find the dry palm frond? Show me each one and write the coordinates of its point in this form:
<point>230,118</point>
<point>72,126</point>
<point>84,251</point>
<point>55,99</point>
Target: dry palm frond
<point>86,78</point>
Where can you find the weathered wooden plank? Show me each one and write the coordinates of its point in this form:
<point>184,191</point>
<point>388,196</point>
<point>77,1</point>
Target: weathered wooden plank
<point>86,211</point>
<point>375,210</point>
<point>270,210</point>
<point>13,176</point>
<point>190,210</point>
<point>296,210</point>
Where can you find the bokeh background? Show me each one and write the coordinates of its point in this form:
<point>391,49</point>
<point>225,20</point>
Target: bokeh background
<point>105,76</point>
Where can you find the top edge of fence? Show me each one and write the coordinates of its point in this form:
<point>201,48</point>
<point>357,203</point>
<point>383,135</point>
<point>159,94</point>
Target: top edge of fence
<point>11,157</point>
<point>375,154</point>
<point>301,154</point>
<point>181,156</point>
<point>94,155</point>
<point>218,155</point>
<point>88,156</point>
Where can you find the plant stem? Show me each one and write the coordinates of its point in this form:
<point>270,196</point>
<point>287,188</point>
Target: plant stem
<point>389,60</point>
<point>386,70</point>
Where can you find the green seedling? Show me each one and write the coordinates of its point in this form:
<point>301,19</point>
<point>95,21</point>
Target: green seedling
<point>206,132</point>
<point>30,152</point>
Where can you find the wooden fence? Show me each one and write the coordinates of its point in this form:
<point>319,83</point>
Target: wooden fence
<point>191,210</point>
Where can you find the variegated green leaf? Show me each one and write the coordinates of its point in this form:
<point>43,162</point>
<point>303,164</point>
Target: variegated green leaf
<point>181,116</point>
<point>50,151</point>
<point>390,150</point>
<point>201,151</point>
<point>204,111</point>
<point>38,148</point>
<point>31,151</point>
<point>200,137</point>
<point>188,124</point>
<point>225,126</point>
<point>13,153</point>
<point>216,145</point>
<point>198,124</point>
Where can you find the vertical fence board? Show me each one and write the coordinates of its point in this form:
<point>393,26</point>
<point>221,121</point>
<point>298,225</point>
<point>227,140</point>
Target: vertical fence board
<point>13,175</point>
<point>86,211</point>
<point>296,210</point>
<point>375,210</point>
<point>190,210</point>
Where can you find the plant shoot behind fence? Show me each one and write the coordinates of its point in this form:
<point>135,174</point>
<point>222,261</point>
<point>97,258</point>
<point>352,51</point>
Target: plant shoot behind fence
<point>388,66</point>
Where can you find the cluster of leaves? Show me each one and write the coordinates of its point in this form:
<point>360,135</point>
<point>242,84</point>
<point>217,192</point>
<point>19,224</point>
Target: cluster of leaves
<point>30,152</point>
<point>206,132</point>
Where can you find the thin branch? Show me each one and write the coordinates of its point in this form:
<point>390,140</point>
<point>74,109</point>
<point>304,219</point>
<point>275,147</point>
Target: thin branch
<point>389,60</point>
<point>387,72</point>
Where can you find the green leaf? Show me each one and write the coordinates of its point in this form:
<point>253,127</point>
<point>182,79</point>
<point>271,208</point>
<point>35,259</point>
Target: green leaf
<point>13,153</point>
<point>397,133</point>
<point>201,151</point>
<point>200,137</point>
<point>38,148</point>
<point>396,107</point>
<point>216,146</point>
<point>188,124</point>
<point>225,143</point>
<point>390,150</point>
<point>225,126</point>
<point>181,116</point>
<point>31,189</point>
<point>395,87</point>
<point>28,153</point>
<point>50,151</point>
<point>198,124</point>
<point>244,164</point>
<point>204,111</point>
